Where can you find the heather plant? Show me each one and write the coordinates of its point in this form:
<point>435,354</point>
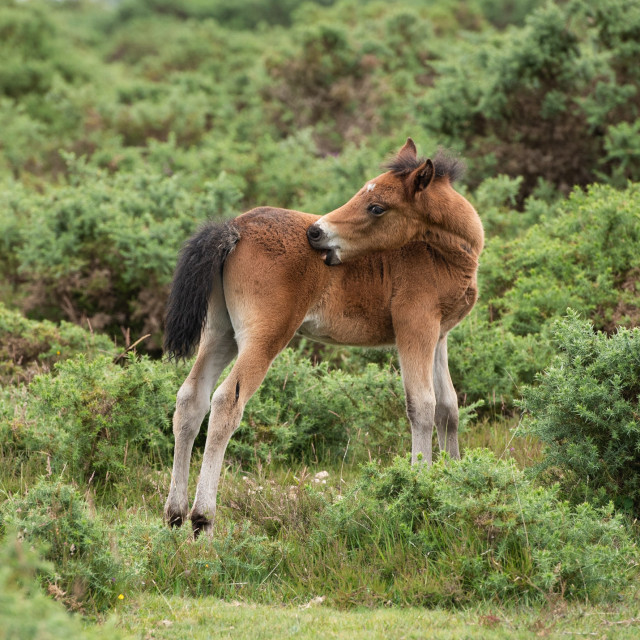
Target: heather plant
<point>585,411</point>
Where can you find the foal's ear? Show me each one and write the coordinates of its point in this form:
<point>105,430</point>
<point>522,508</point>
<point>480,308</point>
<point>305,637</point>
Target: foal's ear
<point>409,148</point>
<point>423,176</point>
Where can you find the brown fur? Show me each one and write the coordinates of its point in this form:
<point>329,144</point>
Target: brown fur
<point>407,278</point>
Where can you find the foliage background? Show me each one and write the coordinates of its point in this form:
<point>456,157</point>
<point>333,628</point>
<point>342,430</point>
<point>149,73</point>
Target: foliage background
<point>125,125</point>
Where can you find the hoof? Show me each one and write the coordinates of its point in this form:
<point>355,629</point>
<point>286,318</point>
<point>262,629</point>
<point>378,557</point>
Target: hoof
<point>201,524</point>
<point>174,517</point>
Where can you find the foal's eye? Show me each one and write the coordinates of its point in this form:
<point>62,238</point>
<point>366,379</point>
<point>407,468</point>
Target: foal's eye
<point>376,209</point>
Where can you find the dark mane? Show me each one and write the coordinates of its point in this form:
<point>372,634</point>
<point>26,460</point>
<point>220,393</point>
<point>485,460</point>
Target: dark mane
<point>445,162</point>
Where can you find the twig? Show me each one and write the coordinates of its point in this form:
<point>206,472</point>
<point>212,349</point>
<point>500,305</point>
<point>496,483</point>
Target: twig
<point>129,348</point>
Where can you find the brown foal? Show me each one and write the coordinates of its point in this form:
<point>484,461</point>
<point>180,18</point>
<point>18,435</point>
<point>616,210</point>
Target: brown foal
<point>396,265</point>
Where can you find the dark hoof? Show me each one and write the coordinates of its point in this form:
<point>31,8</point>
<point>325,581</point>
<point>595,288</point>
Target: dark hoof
<point>174,520</point>
<point>200,524</point>
<point>174,517</point>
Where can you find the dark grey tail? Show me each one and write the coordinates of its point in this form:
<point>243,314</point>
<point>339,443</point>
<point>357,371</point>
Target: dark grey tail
<point>200,261</point>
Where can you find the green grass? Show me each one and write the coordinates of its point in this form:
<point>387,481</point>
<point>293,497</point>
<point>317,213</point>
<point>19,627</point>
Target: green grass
<point>154,616</point>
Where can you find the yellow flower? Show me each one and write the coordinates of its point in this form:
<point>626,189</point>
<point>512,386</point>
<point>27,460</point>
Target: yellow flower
<point>57,353</point>
<point>206,565</point>
<point>120,597</point>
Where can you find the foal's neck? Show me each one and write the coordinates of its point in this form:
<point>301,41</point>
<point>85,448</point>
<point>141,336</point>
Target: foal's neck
<point>452,222</point>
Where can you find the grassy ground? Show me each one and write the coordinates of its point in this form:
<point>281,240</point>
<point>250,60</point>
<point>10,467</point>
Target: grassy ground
<point>179,596</point>
<point>174,618</point>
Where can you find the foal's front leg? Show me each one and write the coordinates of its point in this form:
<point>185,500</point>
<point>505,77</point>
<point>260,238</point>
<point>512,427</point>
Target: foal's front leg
<point>416,346</point>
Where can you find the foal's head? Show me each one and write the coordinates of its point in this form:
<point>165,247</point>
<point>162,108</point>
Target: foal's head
<point>396,208</point>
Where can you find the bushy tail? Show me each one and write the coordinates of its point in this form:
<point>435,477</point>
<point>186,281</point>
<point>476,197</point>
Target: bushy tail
<point>200,262</point>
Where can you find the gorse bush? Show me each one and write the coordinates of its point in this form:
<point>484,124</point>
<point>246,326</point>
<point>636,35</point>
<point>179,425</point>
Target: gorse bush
<point>84,572</point>
<point>585,409</point>
<point>479,529</point>
<point>91,418</point>
<point>314,412</point>
<point>583,252</point>
<point>548,100</point>
<point>26,612</point>
<point>28,347</point>
<point>107,251</point>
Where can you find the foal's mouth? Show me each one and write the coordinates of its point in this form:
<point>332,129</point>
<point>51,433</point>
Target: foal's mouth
<point>319,239</point>
<point>331,257</point>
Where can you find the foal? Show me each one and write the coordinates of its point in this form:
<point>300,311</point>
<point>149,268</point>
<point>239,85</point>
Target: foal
<point>396,265</point>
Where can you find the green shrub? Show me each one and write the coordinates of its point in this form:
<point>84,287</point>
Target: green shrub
<point>105,247</point>
<point>585,408</point>
<point>475,529</point>
<point>84,573</point>
<point>25,611</point>
<point>28,347</point>
<point>583,252</point>
<point>554,99</point>
<point>307,412</point>
<point>94,420</point>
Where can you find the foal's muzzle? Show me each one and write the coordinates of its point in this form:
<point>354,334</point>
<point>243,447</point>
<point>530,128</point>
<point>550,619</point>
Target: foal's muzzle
<point>315,235</point>
<point>318,240</point>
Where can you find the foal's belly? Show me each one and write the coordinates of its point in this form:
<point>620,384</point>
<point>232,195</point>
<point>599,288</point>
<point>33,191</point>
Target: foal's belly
<point>374,329</point>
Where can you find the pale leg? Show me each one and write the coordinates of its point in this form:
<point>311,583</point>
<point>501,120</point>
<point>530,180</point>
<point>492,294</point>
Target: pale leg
<point>227,407</point>
<point>446,414</point>
<point>416,352</point>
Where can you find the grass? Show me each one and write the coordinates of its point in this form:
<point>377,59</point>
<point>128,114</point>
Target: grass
<point>180,589</point>
<point>154,616</point>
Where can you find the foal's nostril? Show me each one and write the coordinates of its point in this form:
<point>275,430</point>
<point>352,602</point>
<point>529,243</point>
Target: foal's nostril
<point>314,233</point>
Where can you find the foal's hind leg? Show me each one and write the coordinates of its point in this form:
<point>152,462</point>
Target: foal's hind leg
<point>446,414</point>
<point>217,349</point>
<point>227,407</point>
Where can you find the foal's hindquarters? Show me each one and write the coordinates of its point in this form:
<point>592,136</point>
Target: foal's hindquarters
<point>258,300</point>
<point>272,283</point>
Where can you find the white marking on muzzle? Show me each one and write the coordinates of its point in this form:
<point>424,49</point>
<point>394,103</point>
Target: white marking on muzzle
<point>328,231</point>
<point>332,240</point>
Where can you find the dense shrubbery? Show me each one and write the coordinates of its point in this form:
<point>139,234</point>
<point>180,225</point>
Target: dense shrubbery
<point>307,412</point>
<point>586,410</point>
<point>92,419</point>
<point>555,98</point>
<point>551,100</point>
<point>28,347</point>
<point>85,574</point>
<point>583,252</point>
<point>25,611</point>
<point>105,250</point>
